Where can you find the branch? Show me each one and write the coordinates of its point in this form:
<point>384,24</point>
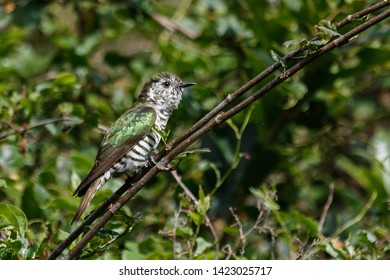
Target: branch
<point>362,13</point>
<point>211,120</point>
<point>88,220</point>
<point>326,208</point>
<point>23,129</point>
<point>243,235</point>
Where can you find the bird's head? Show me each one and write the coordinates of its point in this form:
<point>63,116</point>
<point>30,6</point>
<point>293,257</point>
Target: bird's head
<point>164,90</point>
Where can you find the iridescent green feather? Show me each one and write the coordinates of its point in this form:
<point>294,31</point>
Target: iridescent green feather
<point>123,135</point>
<point>127,129</point>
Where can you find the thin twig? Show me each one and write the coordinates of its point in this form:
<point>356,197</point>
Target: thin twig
<point>257,222</point>
<point>23,129</point>
<point>239,225</point>
<point>227,249</point>
<point>326,208</point>
<point>358,217</point>
<point>195,201</point>
<point>14,128</point>
<point>176,221</point>
<point>362,13</point>
<point>244,235</point>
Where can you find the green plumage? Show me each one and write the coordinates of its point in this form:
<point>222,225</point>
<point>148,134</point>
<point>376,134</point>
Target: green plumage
<point>126,132</point>
<point>129,142</point>
<point>128,128</point>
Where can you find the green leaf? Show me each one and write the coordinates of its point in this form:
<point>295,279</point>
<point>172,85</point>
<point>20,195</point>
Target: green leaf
<point>278,58</point>
<point>315,44</point>
<point>327,29</point>
<point>300,43</point>
<point>26,61</point>
<point>15,245</point>
<point>295,5</point>
<point>65,108</point>
<point>232,231</point>
<point>310,225</point>
<point>201,246</point>
<point>203,202</point>
<point>163,133</point>
<point>185,232</point>
<point>35,198</point>
<point>26,251</point>
<point>3,184</point>
<point>363,175</point>
<point>65,79</point>
<point>192,152</point>
<point>268,200</point>
<point>381,146</point>
<point>75,179</point>
<point>217,172</point>
<point>296,92</point>
<point>129,255</point>
<point>196,217</point>
<point>14,216</point>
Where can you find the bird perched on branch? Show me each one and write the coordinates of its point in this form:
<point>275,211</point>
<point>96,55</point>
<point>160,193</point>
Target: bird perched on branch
<point>127,146</point>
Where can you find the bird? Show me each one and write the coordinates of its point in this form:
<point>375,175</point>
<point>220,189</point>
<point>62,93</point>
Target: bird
<point>128,144</point>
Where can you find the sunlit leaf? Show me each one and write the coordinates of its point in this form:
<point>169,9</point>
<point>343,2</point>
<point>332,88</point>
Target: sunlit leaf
<point>201,246</point>
<point>14,217</point>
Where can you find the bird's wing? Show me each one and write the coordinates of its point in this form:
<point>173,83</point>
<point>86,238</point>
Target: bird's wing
<point>123,135</point>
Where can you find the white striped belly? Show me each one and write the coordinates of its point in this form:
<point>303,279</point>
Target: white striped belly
<point>138,156</point>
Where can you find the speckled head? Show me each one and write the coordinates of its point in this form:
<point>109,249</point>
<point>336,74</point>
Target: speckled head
<point>164,90</point>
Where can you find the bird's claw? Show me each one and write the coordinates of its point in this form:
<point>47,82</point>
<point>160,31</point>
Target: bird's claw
<point>160,167</point>
<point>166,168</point>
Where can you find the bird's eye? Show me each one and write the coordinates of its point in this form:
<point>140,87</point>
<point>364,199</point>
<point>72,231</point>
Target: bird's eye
<point>166,84</point>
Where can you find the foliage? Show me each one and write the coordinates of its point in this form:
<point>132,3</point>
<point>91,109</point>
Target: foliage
<point>303,174</point>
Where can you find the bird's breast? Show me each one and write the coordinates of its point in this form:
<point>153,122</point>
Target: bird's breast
<point>138,156</point>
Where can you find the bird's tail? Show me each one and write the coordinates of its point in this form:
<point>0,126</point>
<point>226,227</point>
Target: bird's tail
<point>89,194</point>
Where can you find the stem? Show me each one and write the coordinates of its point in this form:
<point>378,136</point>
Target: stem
<point>24,129</point>
<point>358,217</point>
<point>326,208</point>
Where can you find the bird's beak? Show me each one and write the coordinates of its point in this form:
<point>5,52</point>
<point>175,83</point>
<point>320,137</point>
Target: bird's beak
<point>187,84</point>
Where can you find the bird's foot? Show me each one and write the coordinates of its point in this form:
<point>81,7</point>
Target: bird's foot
<point>160,167</point>
<point>110,208</point>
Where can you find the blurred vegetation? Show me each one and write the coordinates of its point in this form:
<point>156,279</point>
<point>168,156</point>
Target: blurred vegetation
<point>303,174</point>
